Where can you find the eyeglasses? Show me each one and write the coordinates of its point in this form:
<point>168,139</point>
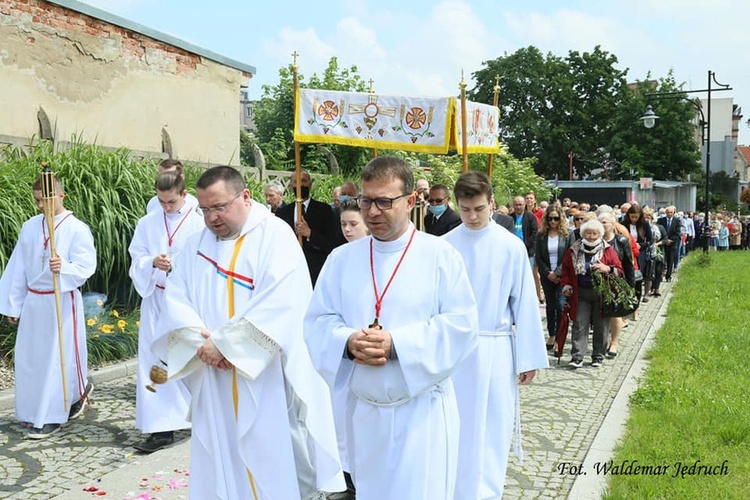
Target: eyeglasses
<point>553,218</point>
<point>436,201</point>
<point>381,203</point>
<point>218,208</point>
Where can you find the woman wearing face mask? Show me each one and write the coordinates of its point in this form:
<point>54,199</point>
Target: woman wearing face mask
<point>589,254</point>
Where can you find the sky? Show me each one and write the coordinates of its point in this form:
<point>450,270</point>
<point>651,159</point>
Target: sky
<point>418,47</point>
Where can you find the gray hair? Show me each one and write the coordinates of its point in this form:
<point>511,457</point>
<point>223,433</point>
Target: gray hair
<point>608,216</point>
<point>601,209</point>
<point>276,186</point>
<point>592,225</point>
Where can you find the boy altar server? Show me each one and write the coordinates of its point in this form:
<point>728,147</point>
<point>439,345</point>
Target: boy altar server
<point>485,382</point>
<point>262,424</point>
<point>373,327</point>
<point>27,297</point>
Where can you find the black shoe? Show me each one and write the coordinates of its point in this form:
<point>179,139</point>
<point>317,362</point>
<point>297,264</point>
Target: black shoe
<point>155,442</point>
<point>44,432</point>
<point>657,294</point>
<point>576,363</point>
<point>77,409</point>
<point>644,300</point>
<point>611,354</point>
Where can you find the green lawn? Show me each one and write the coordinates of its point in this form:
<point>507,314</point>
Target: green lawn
<point>694,401</point>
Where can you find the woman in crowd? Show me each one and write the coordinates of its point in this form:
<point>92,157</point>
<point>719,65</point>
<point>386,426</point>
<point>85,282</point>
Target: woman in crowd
<point>723,235</point>
<point>640,229</point>
<point>652,273</point>
<point>586,256</point>
<point>621,244</point>
<point>552,242</point>
<point>735,233</point>
<point>352,225</point>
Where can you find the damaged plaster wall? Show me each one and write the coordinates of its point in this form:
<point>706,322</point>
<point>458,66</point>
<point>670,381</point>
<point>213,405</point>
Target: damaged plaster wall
<point>112,86</point>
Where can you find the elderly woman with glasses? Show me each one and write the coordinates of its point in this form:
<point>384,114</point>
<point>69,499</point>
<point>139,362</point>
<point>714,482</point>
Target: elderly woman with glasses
<point>552,242</point>
<point>588,255</point>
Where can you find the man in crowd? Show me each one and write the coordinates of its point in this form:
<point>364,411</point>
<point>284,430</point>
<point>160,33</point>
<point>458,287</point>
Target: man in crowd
<point>525,225</point>
<point>261,415</point>
<point>673,226</point>
<point>371,328</point>
<point>274,193</point>
<point>485,382</point>
<point>318,226</point>
<point>50,388</point>
<point>502,218</point>
<point>440,218</point>
<point>423,190</point>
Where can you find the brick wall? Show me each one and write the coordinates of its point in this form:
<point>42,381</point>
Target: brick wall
<point>61,20</point>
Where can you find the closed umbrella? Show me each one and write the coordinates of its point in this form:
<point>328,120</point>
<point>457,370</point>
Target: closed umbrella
<point>562,331</point>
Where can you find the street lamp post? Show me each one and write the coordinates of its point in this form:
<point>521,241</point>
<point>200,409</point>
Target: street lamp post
<point>649,120</point>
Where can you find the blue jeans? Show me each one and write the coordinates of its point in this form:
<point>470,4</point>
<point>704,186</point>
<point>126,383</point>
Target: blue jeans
<point>554,302</point>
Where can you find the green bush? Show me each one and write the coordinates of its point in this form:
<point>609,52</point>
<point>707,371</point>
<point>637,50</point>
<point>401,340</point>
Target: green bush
<point>108,190</point>
<point>110,336</point>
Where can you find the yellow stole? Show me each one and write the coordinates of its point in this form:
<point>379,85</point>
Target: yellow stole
<point>230,302</point>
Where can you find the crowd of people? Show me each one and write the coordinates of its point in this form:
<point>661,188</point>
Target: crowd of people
<point>314,347</point>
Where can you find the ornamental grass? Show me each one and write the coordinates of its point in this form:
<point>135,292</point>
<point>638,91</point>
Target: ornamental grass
<point>108,190</point>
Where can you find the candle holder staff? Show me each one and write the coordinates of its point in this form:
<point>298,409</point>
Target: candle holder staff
<point>40,291</point>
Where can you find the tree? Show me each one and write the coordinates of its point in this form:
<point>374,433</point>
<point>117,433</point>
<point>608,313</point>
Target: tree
<point>551,106</point>
<point>274,117</point>
<point>667,151</point>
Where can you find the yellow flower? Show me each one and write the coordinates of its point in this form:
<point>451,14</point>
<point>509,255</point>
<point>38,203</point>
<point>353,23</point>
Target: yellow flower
<point>122,324</point>
<point>115,313</point>
<point>107,328</point>
<point>91,321</point>
<point>99,302</point>
<point>138,324</point>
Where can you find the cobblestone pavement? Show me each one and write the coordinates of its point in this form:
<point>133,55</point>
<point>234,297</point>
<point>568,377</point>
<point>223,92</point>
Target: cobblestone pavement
<point>561,413</point>
<point>100,441</point>
<point>563,409</point>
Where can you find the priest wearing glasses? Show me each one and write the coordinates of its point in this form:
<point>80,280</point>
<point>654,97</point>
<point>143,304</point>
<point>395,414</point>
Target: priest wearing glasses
<point>372,328</point>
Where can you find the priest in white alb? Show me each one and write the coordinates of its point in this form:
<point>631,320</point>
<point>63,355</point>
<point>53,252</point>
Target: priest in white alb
<point>262,424</point>
<point>511,343</point>
<point>27,298</point>
<point>391,317</point>
<point>158,238</point>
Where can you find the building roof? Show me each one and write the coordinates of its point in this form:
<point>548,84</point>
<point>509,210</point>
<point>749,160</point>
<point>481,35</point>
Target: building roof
<point>152,33</point>
<point>745,152</point>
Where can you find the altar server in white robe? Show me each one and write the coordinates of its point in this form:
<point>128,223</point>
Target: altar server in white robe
<point>262,424</point>
<point>158,238</point>
<point>402,418</point>
<point>170,165</point>
<point>511,344</point>
<point>27,297</point>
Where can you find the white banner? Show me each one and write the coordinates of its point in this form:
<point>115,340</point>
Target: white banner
<point>481,125</point>
<point>373,121</point>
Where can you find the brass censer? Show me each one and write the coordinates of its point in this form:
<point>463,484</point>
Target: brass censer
<point>158,376</point>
